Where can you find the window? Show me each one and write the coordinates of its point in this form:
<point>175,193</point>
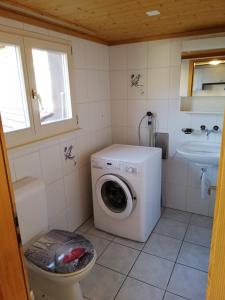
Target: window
<point>35,94</point>
<point>13,103</point>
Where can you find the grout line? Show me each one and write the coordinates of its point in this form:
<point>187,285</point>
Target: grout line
<point>176,259</point>
<point>193,243</point>
<point>135,262</point>
<point>150,284</point>
<point>106,267</point>
<point>128,274</point>
<point>143,251</point>
<point>166,235</point>
<point>107,246</point>
<point>178,263</point>
<point>169,218</point>
<point>175,295</point>
<point>118,243</point>
<point>170,260</point>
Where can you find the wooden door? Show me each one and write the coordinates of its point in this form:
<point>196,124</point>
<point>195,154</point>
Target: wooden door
<point>13,283</point>
<point>216,277</point>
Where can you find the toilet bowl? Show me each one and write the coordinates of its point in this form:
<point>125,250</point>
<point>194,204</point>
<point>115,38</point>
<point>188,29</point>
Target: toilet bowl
<point>56,260</point>
<point>53,286</point>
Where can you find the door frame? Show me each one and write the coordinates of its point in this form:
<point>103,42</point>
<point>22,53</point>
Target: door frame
<point>14,282</point>
<point>216,278</point>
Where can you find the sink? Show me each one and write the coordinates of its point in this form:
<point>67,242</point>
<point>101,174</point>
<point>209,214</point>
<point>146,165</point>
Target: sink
<point>201,153</point>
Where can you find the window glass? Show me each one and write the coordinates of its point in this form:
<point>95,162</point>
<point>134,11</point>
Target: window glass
<point>13,101</point>
<point>52,85</point>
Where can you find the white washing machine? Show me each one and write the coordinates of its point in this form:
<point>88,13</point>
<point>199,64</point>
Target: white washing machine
<point>126,186</point>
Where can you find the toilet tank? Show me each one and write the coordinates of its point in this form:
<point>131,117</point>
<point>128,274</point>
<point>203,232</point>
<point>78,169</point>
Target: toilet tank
<point>31,207</point>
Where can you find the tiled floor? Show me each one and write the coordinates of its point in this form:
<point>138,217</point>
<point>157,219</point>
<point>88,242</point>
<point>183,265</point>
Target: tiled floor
<point>171,265</point>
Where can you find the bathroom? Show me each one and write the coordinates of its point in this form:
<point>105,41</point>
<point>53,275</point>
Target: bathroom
<point>108,111</point>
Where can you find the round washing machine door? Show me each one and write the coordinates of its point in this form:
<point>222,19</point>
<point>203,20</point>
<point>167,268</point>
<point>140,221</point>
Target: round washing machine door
<point>114,196</point>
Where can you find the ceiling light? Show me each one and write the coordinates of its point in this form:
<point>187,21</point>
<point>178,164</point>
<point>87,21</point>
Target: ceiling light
<point>215,62</point>
<point>152,13</point>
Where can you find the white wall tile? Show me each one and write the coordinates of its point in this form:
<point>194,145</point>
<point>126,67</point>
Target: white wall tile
<point>138,91</point>
<point>158,83</point>
<point>72,189</point>
<point>176,196</point>
<point>177,171</point>
<point>80,85</point>
<point>80,53</point>
<point>159,54</point>
<point>119,113</point>
<point>84,149</point>
<point>51,163</point>
<point>69,165</point>
<point>28,165</point>
<point>59,221</point>
<point>56,201</point>
<point>118,84</point>
<point>93,85</point>
<point>132,136</point>
<point>137,55</point>
<point>83,110</point>
<point>118,57</point>
<point>136,109</point>
<point>203,119</point>
<point>160,109</point>
<point>85,191</point>
<point>104,89</point>
<point>119,134</point>
<point>163,81</point>
<point>194,175</point>
<point>175,52</point>
<point>195,203</point>
<point>176,118</point>
<point>174,91</point>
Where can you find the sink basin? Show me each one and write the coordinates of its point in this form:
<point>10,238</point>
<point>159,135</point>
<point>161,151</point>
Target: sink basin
<point>201,153</point>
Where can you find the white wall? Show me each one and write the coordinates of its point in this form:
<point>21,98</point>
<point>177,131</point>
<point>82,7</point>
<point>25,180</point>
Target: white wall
<point>68,186</point>
<point>159,64</point>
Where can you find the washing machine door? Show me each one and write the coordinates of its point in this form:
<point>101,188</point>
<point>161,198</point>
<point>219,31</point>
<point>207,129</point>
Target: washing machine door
<point>114,196</point>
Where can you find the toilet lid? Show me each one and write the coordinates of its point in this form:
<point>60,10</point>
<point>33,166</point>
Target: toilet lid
<point>61,251</point>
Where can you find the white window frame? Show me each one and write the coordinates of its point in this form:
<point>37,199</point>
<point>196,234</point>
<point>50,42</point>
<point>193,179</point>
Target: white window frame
<point>36,131</point>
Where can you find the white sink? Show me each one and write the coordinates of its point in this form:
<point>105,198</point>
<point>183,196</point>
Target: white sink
<point>201,153</point>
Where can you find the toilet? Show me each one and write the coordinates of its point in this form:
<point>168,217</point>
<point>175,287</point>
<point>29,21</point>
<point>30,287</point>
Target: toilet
<point>56,260</point>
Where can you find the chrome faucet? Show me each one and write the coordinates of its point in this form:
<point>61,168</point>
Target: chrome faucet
<point>208,131</point>
<point>215,129</point>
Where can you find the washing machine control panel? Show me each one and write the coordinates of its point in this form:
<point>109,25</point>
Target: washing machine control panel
<point>115,166</point>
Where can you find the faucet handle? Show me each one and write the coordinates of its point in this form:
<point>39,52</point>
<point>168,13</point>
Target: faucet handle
<point>216,128</point>
<point>203,128</point>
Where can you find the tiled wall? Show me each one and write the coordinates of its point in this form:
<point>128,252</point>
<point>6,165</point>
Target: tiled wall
<point>158,63</point>
<point>68,186</point>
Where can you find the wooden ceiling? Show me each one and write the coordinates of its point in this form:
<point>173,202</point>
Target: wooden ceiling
<point>121,21</point>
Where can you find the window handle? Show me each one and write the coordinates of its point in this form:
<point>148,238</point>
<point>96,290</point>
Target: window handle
<point>34,94</point>
<point>37,97</point>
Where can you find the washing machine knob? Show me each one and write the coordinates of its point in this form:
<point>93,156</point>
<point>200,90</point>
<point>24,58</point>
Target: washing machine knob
<point>130,170</point>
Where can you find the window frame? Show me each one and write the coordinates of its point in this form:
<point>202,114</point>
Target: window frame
<point>36,131</point>
<point>24,135</point>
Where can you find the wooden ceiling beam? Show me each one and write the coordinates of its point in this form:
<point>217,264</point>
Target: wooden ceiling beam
<point>113,22</point>
<point>205,31</point>
<point>36,21</point>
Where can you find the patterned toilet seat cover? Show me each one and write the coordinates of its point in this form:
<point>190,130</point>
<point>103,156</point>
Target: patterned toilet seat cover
<point>61,251</point>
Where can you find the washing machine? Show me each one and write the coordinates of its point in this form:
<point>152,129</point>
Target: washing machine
<point>126,187</point>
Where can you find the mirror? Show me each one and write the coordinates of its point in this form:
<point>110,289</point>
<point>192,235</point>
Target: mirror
<point>202,81</point>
